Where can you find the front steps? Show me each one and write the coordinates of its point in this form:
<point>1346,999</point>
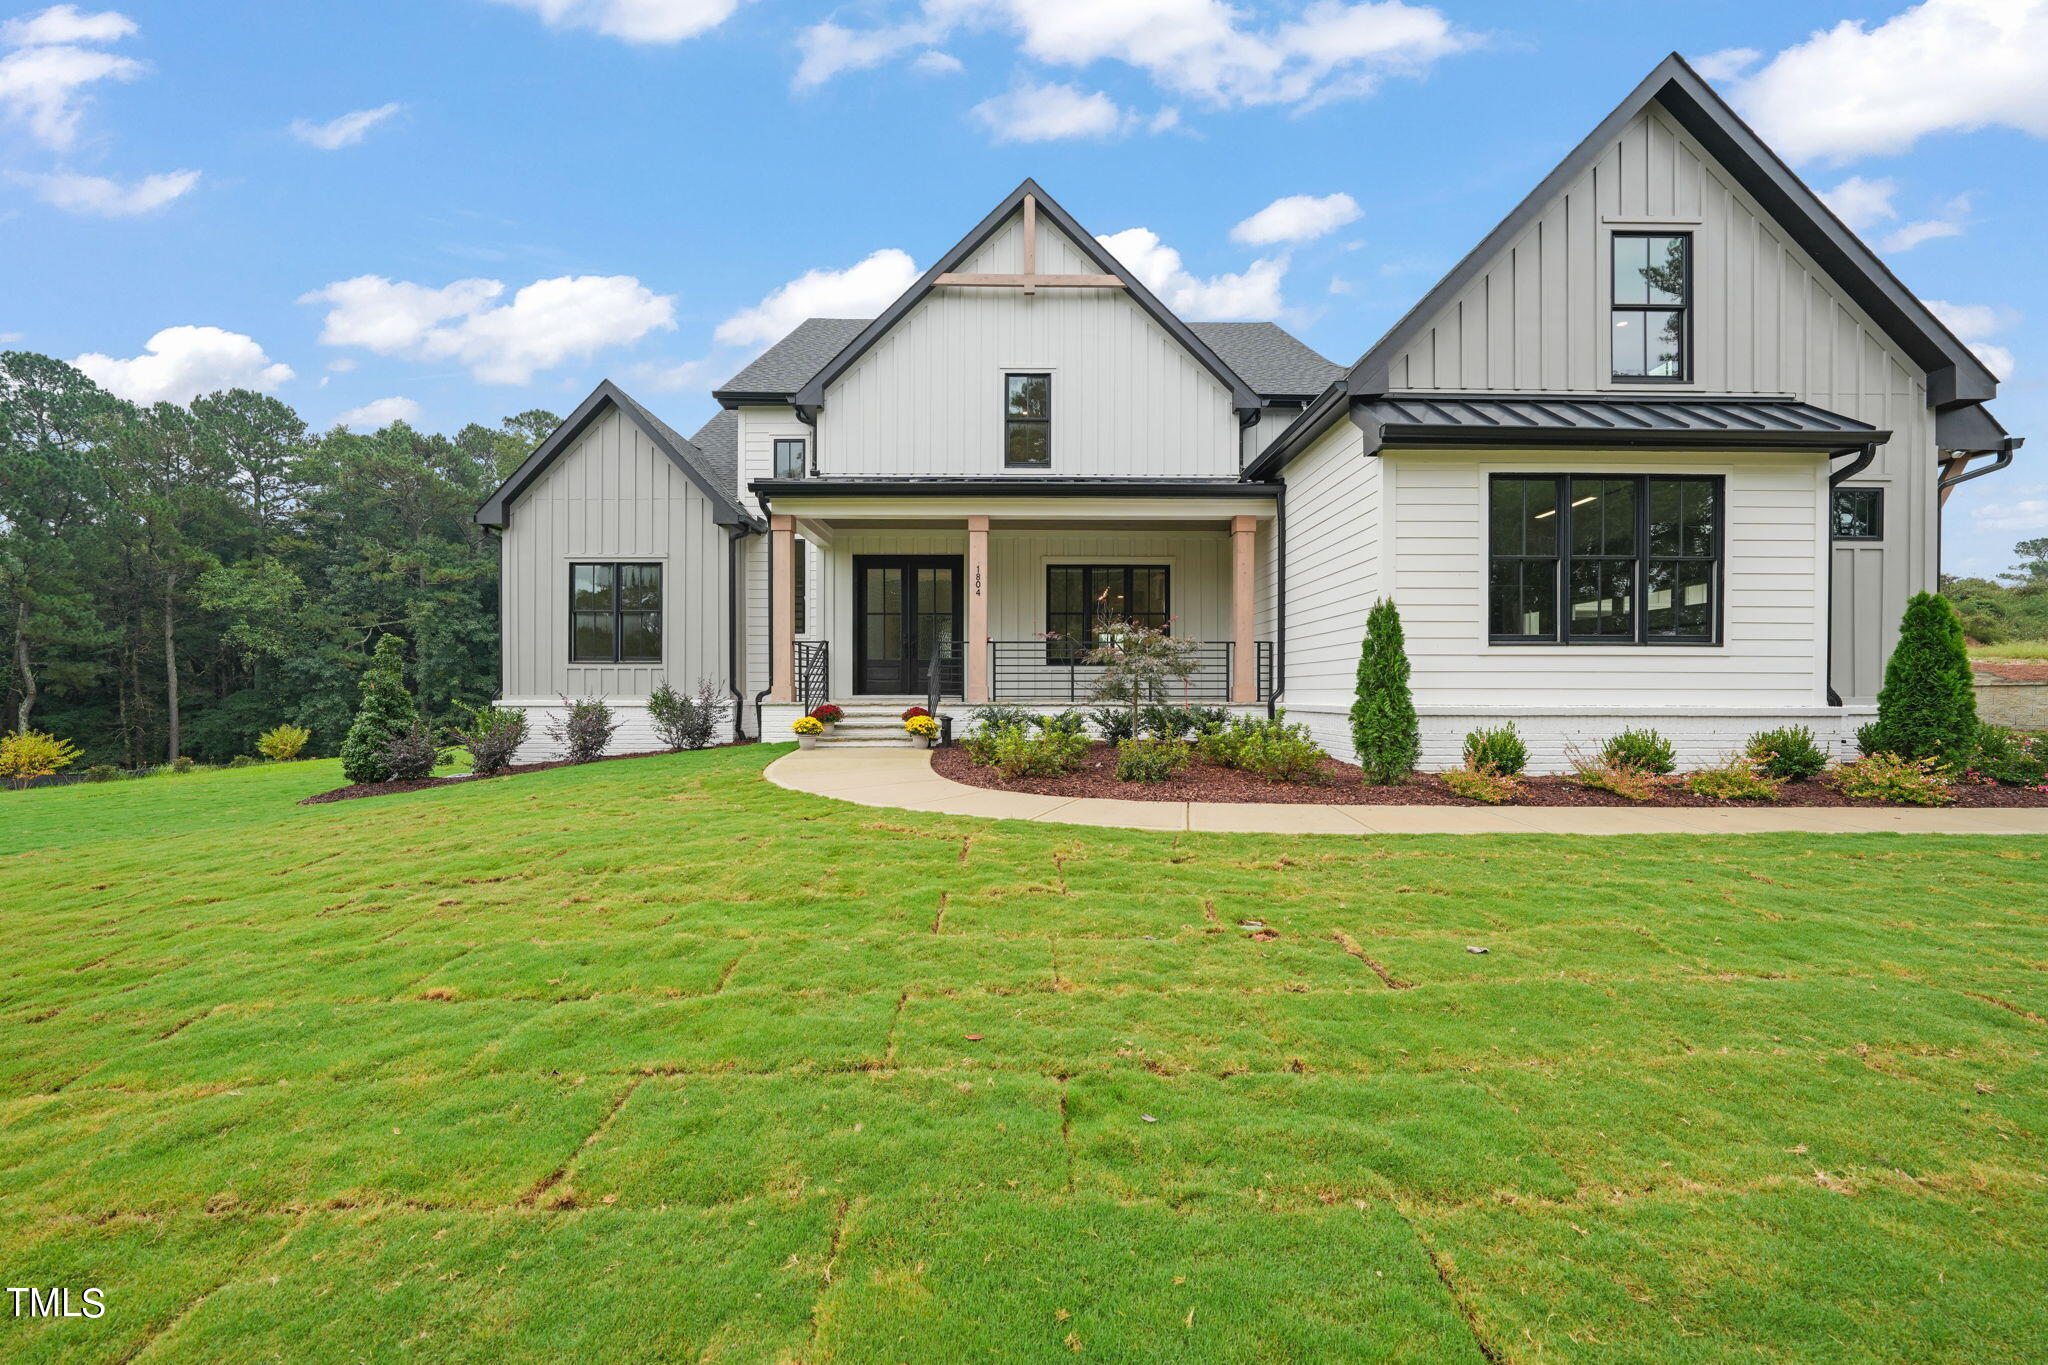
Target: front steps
<point>869,725</point>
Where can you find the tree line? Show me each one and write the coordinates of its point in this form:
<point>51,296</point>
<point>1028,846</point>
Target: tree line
<point>174,580</point>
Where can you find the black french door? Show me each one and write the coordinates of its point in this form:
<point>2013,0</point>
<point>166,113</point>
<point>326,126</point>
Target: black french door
<point>904,606</point>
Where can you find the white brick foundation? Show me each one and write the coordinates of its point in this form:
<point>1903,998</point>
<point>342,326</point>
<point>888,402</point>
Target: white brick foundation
<point>635,734</point>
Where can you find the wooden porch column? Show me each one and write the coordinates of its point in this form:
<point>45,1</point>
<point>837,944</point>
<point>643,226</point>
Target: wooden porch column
<point>782,608</point>
<point>977,610</point>
<point>1244,613</point>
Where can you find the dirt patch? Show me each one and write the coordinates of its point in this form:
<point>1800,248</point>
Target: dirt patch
<point>1342,786</point>
<point>362,789</point>
<point>2011,672</point>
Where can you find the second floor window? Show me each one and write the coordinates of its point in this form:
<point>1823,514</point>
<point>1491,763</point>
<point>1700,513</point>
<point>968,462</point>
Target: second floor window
<point>1027,421</point>
<point>789,459</point>
<point>615,613</point>
<point>1651,322</point>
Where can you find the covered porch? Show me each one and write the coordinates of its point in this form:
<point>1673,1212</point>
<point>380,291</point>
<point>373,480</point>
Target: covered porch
<point>998,583</point>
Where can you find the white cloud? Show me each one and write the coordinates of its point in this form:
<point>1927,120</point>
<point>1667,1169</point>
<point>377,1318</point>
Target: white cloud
<point>2027,515</point>
<point>1340,285</point>
<point>10,338</point>
<point>345,131</point>
<point>1296,218</point>
<point>341,364</point>
<point>1941,66</point>
<point>635,21</point>
<point>1050,113</point>
<point>103,198</point>
<point>1862,203</point>
<point>1199,48</point>
<point>1251,295</point>
<point>1974,323</point>
<point>179,363</point>
<point>1950,222</point>
<point>546,323</point>
<point>1726,64</point>
<point>938,64</point>
<point>43,88</point>
<point>859,291</point>
<point>65,24</point>
<point>381,412</point>
<point>671,376</point>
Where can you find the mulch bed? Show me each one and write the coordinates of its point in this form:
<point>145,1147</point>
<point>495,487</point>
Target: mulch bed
<point>1998,668</point>
<point>358,790</point>
<point>1341,786</point>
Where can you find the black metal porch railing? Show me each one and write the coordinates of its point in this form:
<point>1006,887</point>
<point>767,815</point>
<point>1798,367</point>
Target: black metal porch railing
<point>813,673</point>
<point>1029,670</point>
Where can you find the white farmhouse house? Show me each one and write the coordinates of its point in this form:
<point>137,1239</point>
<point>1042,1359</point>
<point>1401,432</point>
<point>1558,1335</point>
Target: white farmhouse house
<point>1667,448</point>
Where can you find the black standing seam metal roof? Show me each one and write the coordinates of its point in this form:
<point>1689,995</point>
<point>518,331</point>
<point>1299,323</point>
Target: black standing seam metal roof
<point>1509,418</point>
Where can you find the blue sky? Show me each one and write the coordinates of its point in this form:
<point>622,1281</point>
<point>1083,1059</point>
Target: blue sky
<point>458,209</point>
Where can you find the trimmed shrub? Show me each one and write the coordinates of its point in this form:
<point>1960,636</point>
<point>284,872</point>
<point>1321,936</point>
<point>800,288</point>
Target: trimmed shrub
<point>182,764</point>
<point>1149,760</point>
<point>410,754</point>
<point>1220,744</point>
<point>1280,752</point>
<point>2009,758</point>
<point>27,755</point>
<point>1739,778</point>
<point>385,710</point>
<point>584,730</point>
<point>242,761</point>
<point>283,743</point>
<point>1065,722</point>
<point>1114,723</point>
<point>996,717</point>
<point>1482,782</point>
<point>492,734</point>
<point>1499,750</point>
<point>1641,751</point>
<point>102,772</point>
<point>1017,752</point>
<point>1899,781</point>
<point>1206,717</point>
<point>1602,774</point>
<point>1790,754</point>
<point>692,722</point>
<point>1927,707</point>
<point>1384,730</point>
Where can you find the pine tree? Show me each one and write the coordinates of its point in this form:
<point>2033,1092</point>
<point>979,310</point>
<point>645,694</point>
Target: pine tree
<point>1927,707</point>
<point>1383,727</point>
<point>386,710</point>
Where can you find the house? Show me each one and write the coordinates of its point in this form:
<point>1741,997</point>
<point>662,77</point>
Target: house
<point>1667,448</point>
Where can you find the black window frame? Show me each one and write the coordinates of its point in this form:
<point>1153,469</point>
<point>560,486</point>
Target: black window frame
<point>1010,421</point>
<point>802,446</point>
<point>1642,638</point>
<point>1683,308</point>
<point>800,582</point>
<point>619,613</point>
<point>1876,495</point>
<point>1068,649</point>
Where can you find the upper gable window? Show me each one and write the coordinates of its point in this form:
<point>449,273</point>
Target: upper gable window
<point>1651,322</point>
<point>1027,421</point>
<point>789,459</point>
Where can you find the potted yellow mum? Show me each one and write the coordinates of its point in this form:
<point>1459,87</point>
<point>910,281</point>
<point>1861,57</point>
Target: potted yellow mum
<point>923,729</point>
<point>807,729</point>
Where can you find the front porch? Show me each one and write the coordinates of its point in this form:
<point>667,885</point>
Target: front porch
<point>998,587</point>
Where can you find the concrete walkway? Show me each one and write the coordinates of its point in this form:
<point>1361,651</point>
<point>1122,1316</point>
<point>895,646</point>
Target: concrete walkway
<point>903,778</point>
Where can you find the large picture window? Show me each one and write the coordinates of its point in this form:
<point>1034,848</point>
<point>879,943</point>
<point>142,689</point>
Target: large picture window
<point>615,613</point>
<point>1027,421</point>
<point>1590,559</point>
<point>1079,597</point>
<point>1651,319</point>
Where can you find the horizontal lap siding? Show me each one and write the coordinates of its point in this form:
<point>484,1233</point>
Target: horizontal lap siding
<point>613,496</point>
<point>1334,540</point>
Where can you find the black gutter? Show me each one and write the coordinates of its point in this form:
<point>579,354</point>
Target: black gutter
<point>2004,459</point>
<point>1279,602</point>
<point>1847,471</point>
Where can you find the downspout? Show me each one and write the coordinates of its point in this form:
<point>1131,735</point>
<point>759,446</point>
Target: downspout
<point>759,732</point>
<point>1847,471</point>
<point>735,614</point>
<point>2004,454</point>
<point>1279,602</point>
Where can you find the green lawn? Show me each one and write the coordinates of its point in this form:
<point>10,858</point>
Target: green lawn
<point>655,1061</point>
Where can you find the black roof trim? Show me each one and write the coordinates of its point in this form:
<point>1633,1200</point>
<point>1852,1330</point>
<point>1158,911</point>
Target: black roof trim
<point>1033,485</point>
<point>1969,427</point>
<point>1410,421</point>
<point>1954,374</point>
<point>1299,434</point>
<point>497,509</point>
<point>813,393</point>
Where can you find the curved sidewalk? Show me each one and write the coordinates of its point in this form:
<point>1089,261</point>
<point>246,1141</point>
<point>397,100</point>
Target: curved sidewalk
<point>903,778</point>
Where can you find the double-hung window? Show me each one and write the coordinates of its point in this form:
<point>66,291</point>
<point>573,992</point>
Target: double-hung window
<point>1651,320</point>
<point>789,459</point>
<point>1081,598</point>
<point>615,613</point>
<point>1613,559</point>
<point>1027,421</point>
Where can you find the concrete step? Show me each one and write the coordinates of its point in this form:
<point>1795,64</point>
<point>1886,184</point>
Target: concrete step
<point>849,742</point>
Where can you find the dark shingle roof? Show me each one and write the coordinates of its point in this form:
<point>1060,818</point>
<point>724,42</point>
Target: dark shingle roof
<point>720,471</point>
<point>1273,361</point>
<point>718,441</point>
<point>788,365</point>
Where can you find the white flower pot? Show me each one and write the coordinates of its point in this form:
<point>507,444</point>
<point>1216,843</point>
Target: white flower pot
<point>806,741</point>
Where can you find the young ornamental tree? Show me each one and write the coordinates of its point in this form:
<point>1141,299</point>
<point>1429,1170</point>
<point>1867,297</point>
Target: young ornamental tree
<point>385,712</point>
<point>1383,726</point>
<point>1140,664</point>
<point>1927,707</point>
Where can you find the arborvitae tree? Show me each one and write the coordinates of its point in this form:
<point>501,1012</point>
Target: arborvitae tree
<point>385,713</point>
<point>1383,728</point>
<point>1927,708</point>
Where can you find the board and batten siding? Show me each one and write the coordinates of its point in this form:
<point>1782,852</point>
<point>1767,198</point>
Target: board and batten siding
<point>1127,398</point>
<point>1767,320</point>
<point>612,497</point>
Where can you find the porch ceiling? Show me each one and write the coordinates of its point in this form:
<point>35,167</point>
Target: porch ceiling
<point>1018,500</point>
